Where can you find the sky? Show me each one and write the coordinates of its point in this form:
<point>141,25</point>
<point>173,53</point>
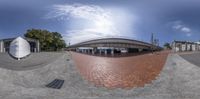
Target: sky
<point>81,20</point>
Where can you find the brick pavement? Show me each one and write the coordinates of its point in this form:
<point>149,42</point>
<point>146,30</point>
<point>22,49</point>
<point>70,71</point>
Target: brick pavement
<point>123,72</point>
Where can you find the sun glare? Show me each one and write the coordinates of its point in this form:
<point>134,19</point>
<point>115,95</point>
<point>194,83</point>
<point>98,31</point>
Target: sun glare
<point>103,23</point>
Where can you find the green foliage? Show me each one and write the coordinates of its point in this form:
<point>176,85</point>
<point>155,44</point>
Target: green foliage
<point>167,45</point>
<point>49,41</point>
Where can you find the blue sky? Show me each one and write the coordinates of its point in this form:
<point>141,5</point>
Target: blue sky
<point>80,20</point>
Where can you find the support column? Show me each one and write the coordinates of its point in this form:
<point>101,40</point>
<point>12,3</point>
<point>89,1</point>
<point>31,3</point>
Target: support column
<point>112,51</point>
<point>1,46</point>
<point>93,51</point>
<point>100,51</point>
<point>82,51</point>
<point>105,51</point>
<point>38,46</point>
<point>35,50</point>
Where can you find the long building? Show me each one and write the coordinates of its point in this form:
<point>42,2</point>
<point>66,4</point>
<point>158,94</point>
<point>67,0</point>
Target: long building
<point>112,46</point>
<point>182,46</point>
<point>5,44</point>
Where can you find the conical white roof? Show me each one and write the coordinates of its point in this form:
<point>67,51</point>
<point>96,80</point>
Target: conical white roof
<point>19,48</point>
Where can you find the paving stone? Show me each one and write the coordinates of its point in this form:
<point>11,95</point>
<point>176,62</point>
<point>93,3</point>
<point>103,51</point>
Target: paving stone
<point>121,72</point>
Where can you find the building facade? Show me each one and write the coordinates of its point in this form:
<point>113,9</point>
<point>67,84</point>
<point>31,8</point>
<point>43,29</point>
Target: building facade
<point>183,46</point>
<point>111,46</point>
<point>5,44</point>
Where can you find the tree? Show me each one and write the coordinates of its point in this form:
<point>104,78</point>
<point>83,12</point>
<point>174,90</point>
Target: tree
<point>49,41</point>
<point>167,46</point>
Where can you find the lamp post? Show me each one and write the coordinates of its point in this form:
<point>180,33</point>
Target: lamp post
<point>152,43</point>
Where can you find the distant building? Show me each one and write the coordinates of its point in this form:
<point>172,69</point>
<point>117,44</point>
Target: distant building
<point>111,46</point>
<point>182,46</point>
<point>5,44</point>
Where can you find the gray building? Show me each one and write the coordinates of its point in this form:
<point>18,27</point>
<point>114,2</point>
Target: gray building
<point>182,46</point>
<point>112,46</point>
<point>5,44</point>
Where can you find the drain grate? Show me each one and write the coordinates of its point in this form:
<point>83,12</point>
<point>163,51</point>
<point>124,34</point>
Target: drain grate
<point>56,84</point>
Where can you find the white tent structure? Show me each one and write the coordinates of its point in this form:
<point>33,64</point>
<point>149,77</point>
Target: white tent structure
<point>19,48</point>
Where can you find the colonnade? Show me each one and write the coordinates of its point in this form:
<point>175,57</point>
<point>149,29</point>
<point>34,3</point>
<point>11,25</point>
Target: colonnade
<point>101,51</point>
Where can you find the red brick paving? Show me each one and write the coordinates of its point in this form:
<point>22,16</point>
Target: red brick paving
<point>123,72</point>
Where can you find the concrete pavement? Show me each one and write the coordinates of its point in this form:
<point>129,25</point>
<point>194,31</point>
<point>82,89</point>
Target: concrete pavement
<point>179,79</point>
<point>193,58</point>
<point>35,60</point>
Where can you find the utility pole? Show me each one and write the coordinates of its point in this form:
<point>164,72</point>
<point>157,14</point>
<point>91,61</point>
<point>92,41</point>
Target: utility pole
<point>152,42</point>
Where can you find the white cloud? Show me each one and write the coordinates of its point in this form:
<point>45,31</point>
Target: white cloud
<point>76,36</point>
<point>185,29</point>
<point>177,26</point>
<point>180,26</point>
<point>101,19</point>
